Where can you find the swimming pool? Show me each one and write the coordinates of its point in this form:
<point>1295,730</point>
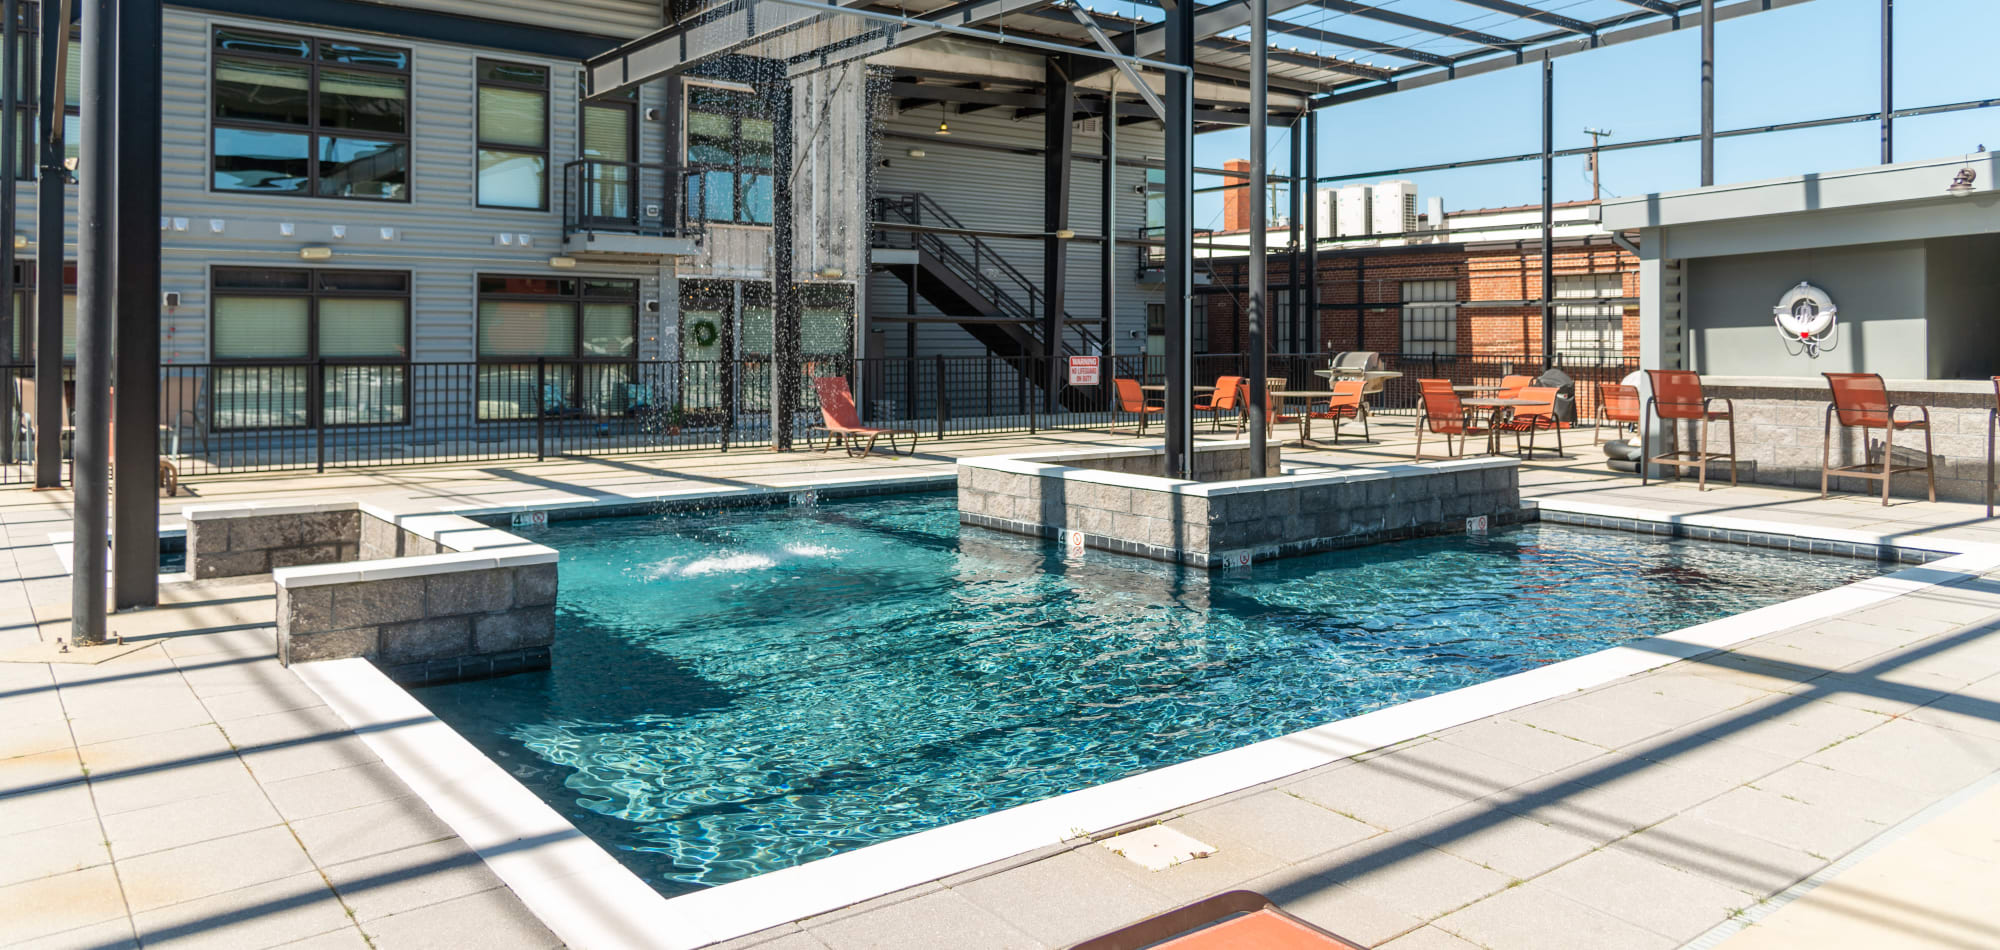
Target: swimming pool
<point>743,690</point>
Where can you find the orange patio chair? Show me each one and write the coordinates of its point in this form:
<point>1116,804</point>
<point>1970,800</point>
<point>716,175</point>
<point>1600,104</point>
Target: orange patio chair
<point>1861,401</point>
<point>1677,397</point>
<point>1228,390</point>
<point>1617,407</point>
<point>1532,419</point>
<point>1132,399</point>
<point>1345,404</point>
<point>1236,920</point>
<point>1443,415</point>
<point>843,425</point>
<point>1511,386</point>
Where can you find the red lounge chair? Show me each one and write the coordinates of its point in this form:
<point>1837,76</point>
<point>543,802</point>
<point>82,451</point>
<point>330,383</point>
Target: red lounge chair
<point>1237,920</point>
<point>1132,399</point>
<point>1617,407</point>
<point>1228,389</point>
<point>1345,404</point>
<point>1676,397</point>
<point>1533,419</point>
<point>843,425</point>
<point>1444,416</point>
<point>1861,400</point>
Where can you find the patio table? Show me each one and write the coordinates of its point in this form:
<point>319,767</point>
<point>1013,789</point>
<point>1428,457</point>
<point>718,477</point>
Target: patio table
<point>1305,414</point>
<point>1498,406</point>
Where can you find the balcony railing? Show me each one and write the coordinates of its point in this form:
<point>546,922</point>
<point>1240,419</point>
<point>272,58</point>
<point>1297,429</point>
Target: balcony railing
<point>647,198</point>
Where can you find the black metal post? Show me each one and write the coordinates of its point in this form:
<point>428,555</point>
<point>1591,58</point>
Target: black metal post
<point>94,315</point>
<point>135,550</point>
<point>1259,260</point>
<point>542,408</point>
<point>1311,290</point>
<point>1295,317</point>
<point>10,143</point>
<point>786,367</point>
<point>1707,93</point>
<point>1058,138</point>
<point>54,34</point>
<point>1179,270</point>
<point>1548,212</point>
<point>1888,81</point>
<point>1107,278</point>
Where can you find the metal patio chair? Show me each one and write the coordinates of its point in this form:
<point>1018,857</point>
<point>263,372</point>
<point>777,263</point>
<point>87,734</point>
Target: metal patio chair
<point>1226,398</point>
<point>1617,407</point>
<point>1861,401</point>
<point>1677,397</point>
<point>1533,419</point>
<point>1443,415</point>
<point>1346,403</point>
<point>1132,400</point>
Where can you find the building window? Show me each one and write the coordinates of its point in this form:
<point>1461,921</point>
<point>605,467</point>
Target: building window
<point>268,326</point>
<point>1590,331</point>
<point>610,144</point>
<point>730,141</point>
<point>588,327</point>
<point>1198,319</point>
<point>301,116</point>
<point>25,311</point>
<point>28,134</point>
<point>1430,317</point>
<point>513,135</point>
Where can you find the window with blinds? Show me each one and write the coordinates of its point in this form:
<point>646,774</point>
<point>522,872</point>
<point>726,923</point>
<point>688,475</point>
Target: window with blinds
<point>1430,318</point>
<point>294,115</point>
<point>1590,330</point>
<point>730,144</point>
<point>608,143</point>
<point>513,135</point>
<point>574,322</point>
<point>25,311</point>
<point>278,335</point>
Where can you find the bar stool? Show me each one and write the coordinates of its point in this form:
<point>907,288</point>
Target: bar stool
<point>1677,396</point>
<point>1861,400</point>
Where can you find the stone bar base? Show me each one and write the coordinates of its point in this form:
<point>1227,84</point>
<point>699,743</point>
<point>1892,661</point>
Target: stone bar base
<point>1231,523</point>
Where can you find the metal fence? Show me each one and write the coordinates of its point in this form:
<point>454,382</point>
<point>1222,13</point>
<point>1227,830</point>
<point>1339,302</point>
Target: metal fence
<point>223,418</point>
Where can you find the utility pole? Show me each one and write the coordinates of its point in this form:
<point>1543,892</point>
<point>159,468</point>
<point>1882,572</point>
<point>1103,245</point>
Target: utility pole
<point>1594,135</point>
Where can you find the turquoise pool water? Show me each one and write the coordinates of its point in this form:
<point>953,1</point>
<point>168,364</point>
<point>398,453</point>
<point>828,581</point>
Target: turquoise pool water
<point>743,690</point>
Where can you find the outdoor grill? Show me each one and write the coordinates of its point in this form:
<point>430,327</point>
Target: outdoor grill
<point>1360,364</point>
<point>1565,388</point>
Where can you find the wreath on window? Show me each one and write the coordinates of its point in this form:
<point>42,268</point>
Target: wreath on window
<point>703,333</point>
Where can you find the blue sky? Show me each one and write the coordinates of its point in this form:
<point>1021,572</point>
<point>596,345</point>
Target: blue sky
<point>1808,61</point>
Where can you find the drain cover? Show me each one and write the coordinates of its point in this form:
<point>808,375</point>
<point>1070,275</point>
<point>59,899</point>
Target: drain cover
<point>1156,848</point>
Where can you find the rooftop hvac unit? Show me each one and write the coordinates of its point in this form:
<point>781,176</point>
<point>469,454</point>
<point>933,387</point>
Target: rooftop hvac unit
<point>1350,218</point>
<point>1434,208</point>
<point>1324,200</point>
<point>1395,208</point>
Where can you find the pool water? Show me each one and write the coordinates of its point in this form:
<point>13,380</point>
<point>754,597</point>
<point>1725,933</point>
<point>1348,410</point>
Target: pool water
<point>743,690</point>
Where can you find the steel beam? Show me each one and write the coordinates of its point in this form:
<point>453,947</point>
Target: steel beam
<point>135,546</point>
<point>1707,93</point>
<point>1312,233</point>
<point>1356,42</point>
<point>94,322</point>
<point>10,35</point>
<point>1130,72</point>
<point>1178,284</point>
<point>1258,263</point>
<point>54,36</point>
<point>1548,212</point>
<point>1058,140</point>
<point>1557,20</point>
<point>1295,314</point>
<point>1107,225</point>
<point>1888,81</point>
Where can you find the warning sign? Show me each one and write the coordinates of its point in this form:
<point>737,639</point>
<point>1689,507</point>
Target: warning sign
<point>1084,370</point>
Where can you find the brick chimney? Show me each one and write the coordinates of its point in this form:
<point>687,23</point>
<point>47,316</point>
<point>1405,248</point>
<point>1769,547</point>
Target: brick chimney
<point>1236,201</point>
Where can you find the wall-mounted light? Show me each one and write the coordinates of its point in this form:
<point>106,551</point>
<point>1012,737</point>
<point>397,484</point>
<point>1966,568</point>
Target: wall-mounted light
<point>1065,234</point>
<point>20,240</point>
<point>1961,183</point>
<point>916,153</point>
<point>562,263</point>
<point>315,252</point>
<point>831,272</point>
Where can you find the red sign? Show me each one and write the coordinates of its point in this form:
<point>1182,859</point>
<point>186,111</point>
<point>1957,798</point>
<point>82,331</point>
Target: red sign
<point>1083,370</point>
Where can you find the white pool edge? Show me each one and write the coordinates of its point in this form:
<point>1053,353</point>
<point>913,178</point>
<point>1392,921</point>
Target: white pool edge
<point>591,901</point>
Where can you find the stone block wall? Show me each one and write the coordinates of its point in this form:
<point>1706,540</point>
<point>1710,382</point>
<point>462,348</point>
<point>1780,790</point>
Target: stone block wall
<point>1211,464</point>
<point>230,543</point>
<point>1780,434</point>
<point>451,621</point>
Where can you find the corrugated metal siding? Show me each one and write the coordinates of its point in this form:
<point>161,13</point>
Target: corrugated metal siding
<point>621,18</point>
<point>988,189</point>
<point>439,235</point>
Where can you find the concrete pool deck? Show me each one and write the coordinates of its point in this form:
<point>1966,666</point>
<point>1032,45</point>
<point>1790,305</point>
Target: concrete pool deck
<point>236,807</point>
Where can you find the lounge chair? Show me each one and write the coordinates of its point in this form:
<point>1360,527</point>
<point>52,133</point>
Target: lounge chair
<point>1677,397</point>
<point>1346,404</point>
<point>1533,419</point>
<point>1617,407</point>
<point>1132,400</point>
<point>1236,919</point>
<point>1228,390</point>
<point>1861,401</point>
<point>843,425</point>
<point>1443,415</point>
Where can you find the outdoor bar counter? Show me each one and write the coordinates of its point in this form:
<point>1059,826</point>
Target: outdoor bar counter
<point>1781,421</point>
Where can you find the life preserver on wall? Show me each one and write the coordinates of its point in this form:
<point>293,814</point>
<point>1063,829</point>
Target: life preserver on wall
<point>1805,317</point>
<point>703,333</point>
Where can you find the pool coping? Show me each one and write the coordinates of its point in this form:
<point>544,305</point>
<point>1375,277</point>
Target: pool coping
<point>591,900</point>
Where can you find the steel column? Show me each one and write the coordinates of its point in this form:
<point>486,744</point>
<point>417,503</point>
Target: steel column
<point>1311,290</point>
<point>1259,261</point>
<point>94,321</point>
<point>785,365</point>
<point>1548,212</point>
<point>1707,93</point>
<point>135,548</point>
<point>10,34</point>
<point>1295,315</point>
<point>1179,270</point>
<point>1888,81</point>
<point>1058,138</point>
<point>54,36</point>
<point>1107,289</point>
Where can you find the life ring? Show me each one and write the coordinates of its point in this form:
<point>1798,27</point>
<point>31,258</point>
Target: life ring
<point>703,333</point>
<point>1805,316</point>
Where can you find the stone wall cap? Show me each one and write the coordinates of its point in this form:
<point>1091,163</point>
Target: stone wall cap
<point>1818,384</point>
<point>352,572</point>
<point>258,509</point>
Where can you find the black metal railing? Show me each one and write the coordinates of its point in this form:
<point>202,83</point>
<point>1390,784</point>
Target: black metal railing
<point>649,198</point>
<point>221,418</point>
